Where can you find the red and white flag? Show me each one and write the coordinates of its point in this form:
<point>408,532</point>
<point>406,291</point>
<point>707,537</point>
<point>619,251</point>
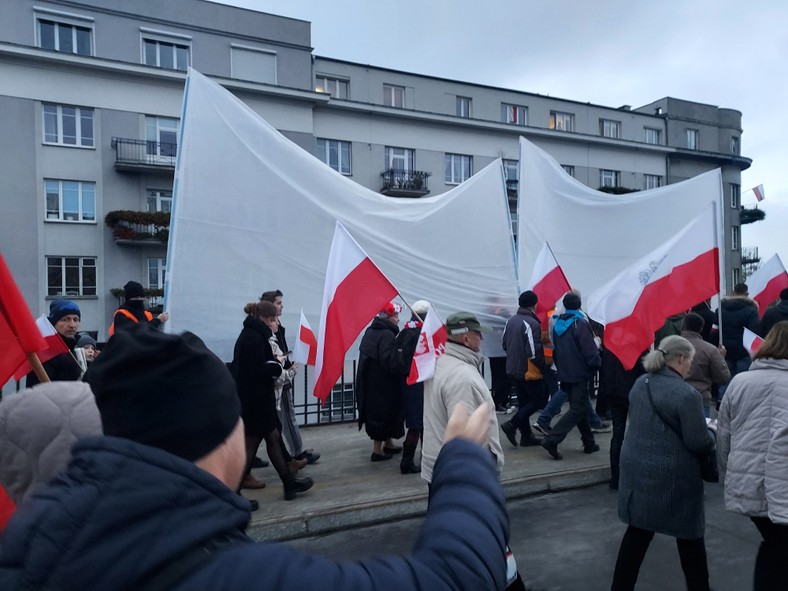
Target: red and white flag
<point>671,279</point>
<point>305,349</point>
<point>54,346</point>
<point>751,341</point>
<point>767,282</point>
<point>354,292</point>
<point>759,194</point>
<point>548,282</point>
<point>431,345</point>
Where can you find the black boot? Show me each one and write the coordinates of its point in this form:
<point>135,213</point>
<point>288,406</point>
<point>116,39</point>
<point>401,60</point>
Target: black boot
<point>407,465</point>
<point>294,485</point>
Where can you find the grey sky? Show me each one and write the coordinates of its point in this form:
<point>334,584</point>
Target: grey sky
<point>610,52</point>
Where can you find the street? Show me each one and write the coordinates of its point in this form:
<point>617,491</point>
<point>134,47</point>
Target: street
<point>568,541</point>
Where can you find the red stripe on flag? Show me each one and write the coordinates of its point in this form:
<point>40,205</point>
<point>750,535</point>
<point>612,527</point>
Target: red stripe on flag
<point>7,508</point>
<point>685,286</point>
<point>307,337</point>
<point>361,294</point>
<point>771,292</point>
<point>551,287</point>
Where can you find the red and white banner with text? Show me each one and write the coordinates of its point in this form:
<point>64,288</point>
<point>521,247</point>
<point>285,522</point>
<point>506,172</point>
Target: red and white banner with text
<point>431,345</point>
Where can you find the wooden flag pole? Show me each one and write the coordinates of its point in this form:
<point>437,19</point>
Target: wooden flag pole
<point>35,363</point>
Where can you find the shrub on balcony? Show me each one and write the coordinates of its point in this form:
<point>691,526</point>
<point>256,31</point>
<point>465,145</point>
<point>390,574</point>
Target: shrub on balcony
<point>156,218</point>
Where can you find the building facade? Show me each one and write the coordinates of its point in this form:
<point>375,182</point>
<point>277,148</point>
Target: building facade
<point>90,99</point>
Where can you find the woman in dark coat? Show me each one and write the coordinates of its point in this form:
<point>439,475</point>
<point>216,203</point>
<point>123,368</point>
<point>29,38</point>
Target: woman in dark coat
<point>660,487</point>
<point>255,369</point>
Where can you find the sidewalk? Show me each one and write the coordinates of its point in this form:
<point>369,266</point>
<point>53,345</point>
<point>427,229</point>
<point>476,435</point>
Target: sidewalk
<point>350,491</point>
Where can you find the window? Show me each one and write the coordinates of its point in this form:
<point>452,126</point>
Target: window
<point>651,181</point>
<point>736,278</point>
<point>400,159</point>
<point>156,271</point>
<point>735,146</point>
<point>65,37</point>
<point>568,169</point>
<point>335,153</point>
<point>652,136</point>
<point>394,96</point>
<point>608,128</point>
<point>562,121</point>
<point>463,107</point>
<point>72,201</point>
<point>693,135</point>
<point>253,64</point>
<point>68,126</point>
<point>71,276</point>
<point>457,168</point>
<point>735,196</point>
<point>514,114</point>
<point>159,200</point>
<point>511,169</point>
<point>165,54</point>
<point>609,178</point>
<point>161,135</point>
<point>734,237</point>
<point>336,87</point>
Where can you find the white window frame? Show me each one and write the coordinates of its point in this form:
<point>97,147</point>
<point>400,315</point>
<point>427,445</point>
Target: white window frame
<point>562,121</point>
<point>154,123</point>
<point>652,133</point>
<point>610,128</point>
<point>333,86</point>
<point>48,110</point>
<point>463,106</point>
<point>324,146</point>
<point>159,267</point>
<point>569,169</point>
<point>693,139</point>
<point>735,196</point>
<point>735,237</point>
<point>64,19</point>
<point>609,178</point>
<point>651,181</point>
<point>514,114</point>
<point>401,159</point>
<point>84,288</point>
<point>84,190</point>
<point>391,94</point>
<point>511,169</point>
<point>159,198</point>
<point>166,42</point>
<point>457,168</point>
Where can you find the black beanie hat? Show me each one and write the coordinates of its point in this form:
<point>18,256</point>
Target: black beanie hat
<point>527,299</point>
<point>166,391</point>
<point>572,301</point>
<point>132,289</point>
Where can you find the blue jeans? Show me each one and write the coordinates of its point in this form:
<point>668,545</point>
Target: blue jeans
<point>553,407</point>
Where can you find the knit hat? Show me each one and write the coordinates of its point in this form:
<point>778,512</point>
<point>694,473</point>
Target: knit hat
<point>60,308</point>
<point>132,289</point>
<point>163,390</point>
<point>527,299</point>
<point>85,339</point>
<point>572,301</point>
<point>420,307</point>
<point>391,309</point>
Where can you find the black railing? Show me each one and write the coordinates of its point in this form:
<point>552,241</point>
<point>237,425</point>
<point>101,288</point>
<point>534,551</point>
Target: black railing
<point>404,183</point>
<point>131,153</point>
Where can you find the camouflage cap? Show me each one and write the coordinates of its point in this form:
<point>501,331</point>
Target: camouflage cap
<point>461,322</point>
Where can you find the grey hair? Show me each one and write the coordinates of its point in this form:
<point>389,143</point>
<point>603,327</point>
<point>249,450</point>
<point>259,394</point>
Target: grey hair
<point>670,349</point>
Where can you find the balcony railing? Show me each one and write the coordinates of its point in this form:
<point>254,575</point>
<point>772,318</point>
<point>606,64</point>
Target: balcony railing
<point>131,154</point>
<point>139,227</point>
<point>404,183</point>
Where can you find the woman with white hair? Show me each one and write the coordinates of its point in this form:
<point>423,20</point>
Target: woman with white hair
<point>660,487</point>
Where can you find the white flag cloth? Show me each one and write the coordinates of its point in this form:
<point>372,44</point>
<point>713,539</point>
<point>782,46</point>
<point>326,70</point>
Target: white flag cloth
<point>431,345</point>
<point>767,282</point>
<point>759,193</point>
<point>751,341</point>
<point>548,282</point>
<point>55,346</point>
<point>669,280</point>
<point>305,350</point>
<point>355,291</point>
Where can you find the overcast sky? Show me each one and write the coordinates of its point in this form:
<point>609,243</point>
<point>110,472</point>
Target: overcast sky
<point>727,53</point>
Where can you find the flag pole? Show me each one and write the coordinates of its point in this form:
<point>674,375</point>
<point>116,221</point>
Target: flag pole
<point>35,363</point>
<point>720,260</point>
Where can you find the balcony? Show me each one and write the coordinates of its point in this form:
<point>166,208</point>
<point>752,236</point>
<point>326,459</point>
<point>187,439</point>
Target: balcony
<point>405,183</point>
<point>142,156</point>
<point>139,228</point>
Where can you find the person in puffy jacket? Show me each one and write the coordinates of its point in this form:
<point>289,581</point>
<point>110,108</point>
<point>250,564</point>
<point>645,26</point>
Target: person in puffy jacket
<point>774,314</point>
<point>752,453</point>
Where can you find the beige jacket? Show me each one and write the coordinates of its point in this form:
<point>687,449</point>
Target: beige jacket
<point>457,379</point>
<point>708,366</point>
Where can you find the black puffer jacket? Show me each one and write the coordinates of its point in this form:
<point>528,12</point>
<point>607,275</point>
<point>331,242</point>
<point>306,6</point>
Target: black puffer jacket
<point>772,316</point>
<point>738,313</point>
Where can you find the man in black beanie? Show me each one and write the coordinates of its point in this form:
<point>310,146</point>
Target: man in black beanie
<point>152,503</point>
<point>133,310</point>
<point>65,317</point>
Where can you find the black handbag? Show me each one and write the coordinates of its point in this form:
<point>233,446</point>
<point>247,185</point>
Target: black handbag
<point>708,460</point>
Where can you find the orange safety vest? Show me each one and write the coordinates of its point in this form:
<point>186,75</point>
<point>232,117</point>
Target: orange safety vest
<point>548,349</point>
<point>128,315</point>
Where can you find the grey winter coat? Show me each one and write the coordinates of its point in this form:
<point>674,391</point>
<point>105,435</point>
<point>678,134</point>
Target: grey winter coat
<point>660,487</point>
<point>752,441</point>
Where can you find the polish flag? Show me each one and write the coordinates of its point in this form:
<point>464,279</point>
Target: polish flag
<point>354,292</point>
<point>7,508</point>
<point>759,194</point>
<point>671,279</point>
<point>54,346</point>
<point>306,344</point>
<point>767,282</point>
<point>431,345</point>
<point>548,282</point>
<point>751,341</point>
<point>18,333</point>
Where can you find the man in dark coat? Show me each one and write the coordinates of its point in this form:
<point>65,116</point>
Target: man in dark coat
<point>738,312</point>
<point>65,317</point>
<point>133,310</point>
<point>774,314</point>
<point>151,505</point>
<point>378,384</point>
